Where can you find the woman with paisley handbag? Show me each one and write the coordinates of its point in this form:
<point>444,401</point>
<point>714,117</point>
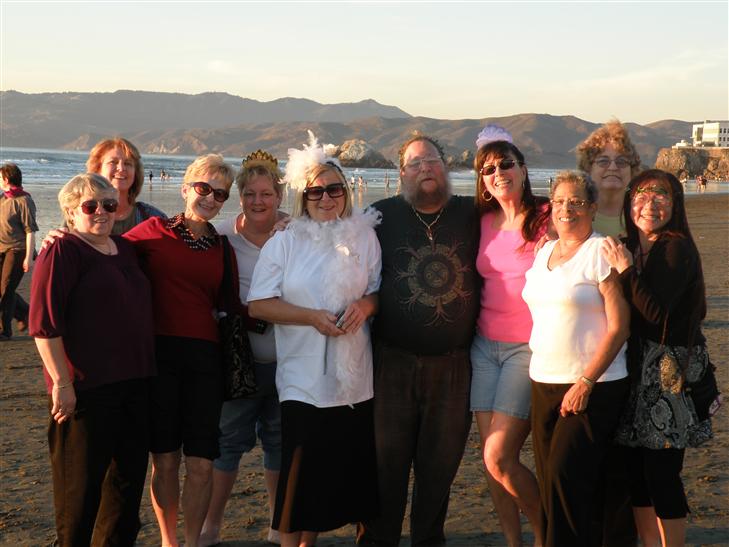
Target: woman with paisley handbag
<point>660,270</point>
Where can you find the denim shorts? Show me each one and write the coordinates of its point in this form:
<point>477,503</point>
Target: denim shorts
<point>500,380</point>
<point>242,420</point>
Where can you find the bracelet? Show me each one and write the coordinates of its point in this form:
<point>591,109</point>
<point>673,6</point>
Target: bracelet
<point>61,386</point>
<point>589,383</point>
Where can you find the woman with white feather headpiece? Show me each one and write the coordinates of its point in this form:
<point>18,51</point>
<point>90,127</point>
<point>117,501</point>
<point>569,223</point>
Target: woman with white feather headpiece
<point>317,282</point>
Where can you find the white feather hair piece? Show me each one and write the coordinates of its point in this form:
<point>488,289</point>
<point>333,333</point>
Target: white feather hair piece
<point>301,162</point>
<point>492,133</point>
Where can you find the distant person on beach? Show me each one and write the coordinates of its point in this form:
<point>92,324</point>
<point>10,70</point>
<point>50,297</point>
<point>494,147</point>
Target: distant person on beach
<point>91,316</point>
<point>261,191</point>
<point>162,176</point>
<point>317,282</point>
<point>421,336</point>
<point>119,161</point>
<point>512,221</point>
<point>611,160</point>
<point>17,247</point>
<point>361,182</point>
<point>578,369</point>
<point>151,176</point>
<point>660,270</point>
<point>183,258</point>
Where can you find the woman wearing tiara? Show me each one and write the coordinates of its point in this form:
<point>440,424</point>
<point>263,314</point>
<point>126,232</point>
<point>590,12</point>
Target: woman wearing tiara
<point>241,420</point>
<point>317,282</point>
<point>512,220</point>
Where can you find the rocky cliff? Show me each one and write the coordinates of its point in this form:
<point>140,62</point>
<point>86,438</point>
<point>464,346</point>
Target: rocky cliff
<point>358,153</point>
<point>713,163</point>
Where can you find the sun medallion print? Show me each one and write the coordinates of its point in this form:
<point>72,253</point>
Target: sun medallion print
<point>434,274</point>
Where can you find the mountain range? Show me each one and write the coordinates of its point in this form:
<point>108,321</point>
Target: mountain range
<point>177,123</point>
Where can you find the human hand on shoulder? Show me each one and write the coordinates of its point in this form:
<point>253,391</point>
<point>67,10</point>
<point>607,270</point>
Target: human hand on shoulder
<point>616,254</point>
<point>52,236</point>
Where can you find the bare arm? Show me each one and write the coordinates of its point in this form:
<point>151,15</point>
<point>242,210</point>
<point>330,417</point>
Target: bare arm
<point>63,395</point>
<point>618,329</point>
<point>29,251</point>
<point>275,310</point>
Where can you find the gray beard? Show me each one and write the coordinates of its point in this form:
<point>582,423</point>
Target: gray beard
<point>419,200</point>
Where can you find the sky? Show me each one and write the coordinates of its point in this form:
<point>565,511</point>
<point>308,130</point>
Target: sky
<point>637,61</point>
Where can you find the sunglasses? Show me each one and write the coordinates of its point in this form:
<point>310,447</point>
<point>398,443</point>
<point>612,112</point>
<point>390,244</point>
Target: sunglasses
<point>204,189</point>
<point>91,206</point>
<point>315,193</point>
<point>504,165</point>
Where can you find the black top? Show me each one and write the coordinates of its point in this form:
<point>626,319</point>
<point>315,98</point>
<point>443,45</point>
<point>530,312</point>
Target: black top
<point>429,296</point>
<point>670,285</point>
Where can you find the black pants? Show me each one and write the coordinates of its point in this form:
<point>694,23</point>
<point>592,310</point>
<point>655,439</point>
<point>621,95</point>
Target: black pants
<point>656,481</point>
<point>568,453</point>
<point>11,272</point>
<point>99,464</point>
<point>422,419</point>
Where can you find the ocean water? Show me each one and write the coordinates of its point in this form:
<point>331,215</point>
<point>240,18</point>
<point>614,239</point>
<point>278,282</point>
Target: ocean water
<point>45,171</point>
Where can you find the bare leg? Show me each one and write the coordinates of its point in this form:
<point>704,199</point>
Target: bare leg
<point>673,532</point>
<point>298,539</point>
<point>165,490</point>
<point>271,478</point>
<point>646,522</point>
<point>196,496</point>
<point>506,508</point>
<point>223,482</point>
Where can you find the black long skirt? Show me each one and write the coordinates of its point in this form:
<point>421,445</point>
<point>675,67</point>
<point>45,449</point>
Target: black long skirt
<point>328,470</point>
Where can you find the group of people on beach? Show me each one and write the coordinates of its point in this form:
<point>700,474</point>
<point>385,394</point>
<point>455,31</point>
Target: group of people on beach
<point>376,336</point>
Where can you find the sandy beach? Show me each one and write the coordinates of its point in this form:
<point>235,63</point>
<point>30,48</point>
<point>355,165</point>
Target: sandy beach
<point>26,507</point>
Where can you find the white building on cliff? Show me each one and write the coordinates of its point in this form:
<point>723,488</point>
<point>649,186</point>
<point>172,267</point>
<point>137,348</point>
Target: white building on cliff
<point>711,134</point>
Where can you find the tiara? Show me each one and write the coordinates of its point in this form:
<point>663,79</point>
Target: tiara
<point>261,158</point>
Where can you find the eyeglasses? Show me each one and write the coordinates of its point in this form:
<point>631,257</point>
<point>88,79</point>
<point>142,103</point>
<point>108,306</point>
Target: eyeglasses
<point>203,189</point>
<point>417,164</point>
<point>504,165</point>
<point>621,162</point>
<point>91,206</point>
<point>315,193</point>
<point>661,199</point>
<point>572,202</point>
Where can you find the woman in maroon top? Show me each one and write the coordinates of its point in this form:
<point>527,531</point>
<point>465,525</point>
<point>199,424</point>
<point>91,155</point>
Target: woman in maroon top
<point>183,259</point>
<point>91,318</point>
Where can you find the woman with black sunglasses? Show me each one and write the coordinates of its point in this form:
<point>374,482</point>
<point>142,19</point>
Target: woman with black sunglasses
<point>183,258</point>
<point>512,221</point>
<point>91,317</point>
<point>316,281</point>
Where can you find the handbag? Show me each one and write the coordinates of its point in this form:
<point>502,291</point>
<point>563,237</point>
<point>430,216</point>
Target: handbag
<point>239,375</point>
<point>703,391</point>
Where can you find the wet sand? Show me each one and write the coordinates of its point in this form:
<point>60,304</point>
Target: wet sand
<point>26,505</point>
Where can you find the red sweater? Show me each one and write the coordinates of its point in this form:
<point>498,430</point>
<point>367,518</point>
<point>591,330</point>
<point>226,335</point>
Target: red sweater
<point>185,282</point>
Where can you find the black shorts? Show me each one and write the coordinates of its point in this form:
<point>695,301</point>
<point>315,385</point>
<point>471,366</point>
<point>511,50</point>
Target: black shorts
<point>186,397</point>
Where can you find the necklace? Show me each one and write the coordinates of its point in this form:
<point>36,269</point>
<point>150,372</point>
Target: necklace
<point>105,249</point>
<point>428,227</point>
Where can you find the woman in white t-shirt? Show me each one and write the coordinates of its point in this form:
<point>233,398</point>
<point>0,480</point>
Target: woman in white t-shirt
<point>317,282</point>
<point>578,371</point>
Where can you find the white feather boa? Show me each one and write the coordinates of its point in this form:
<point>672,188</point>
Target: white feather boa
<point>343,280</point>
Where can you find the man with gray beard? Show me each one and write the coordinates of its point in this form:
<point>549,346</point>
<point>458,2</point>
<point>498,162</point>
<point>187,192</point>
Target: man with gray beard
<point>428,304</point>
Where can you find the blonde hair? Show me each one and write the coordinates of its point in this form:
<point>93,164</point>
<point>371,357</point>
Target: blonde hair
<point>245,175</point>
<point>70,195</point>
<point>615,133</point>
<point>209,164</point>
<point>93,163</point>
<point>299,201</point>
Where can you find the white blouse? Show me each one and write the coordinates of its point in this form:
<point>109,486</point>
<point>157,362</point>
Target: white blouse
<point>569,315</point>
<point>321,266</point>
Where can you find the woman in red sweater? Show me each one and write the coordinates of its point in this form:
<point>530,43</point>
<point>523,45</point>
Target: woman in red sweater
<point>183,258</point>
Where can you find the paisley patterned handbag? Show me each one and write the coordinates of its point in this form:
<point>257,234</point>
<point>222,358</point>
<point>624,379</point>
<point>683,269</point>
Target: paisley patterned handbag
<point>698,381</point>
<point>239,373</point>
